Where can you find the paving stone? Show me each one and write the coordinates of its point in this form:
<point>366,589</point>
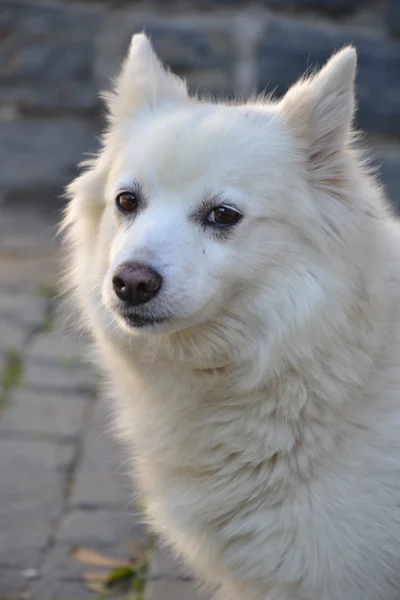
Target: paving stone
<point>46,56</point>
<point>212,3</point>
<point>331,6</point>
<point>100,481</point>
<point>12,583</point>
<point>204,55</point>
<point>162,589</point>
<point>99,529</point>
<point>56,347</point>
<point>393,16</point>
<point>35,158</point>
<point>164,565</point>
<point>389,168</point>
<point>288,48</point>
<point>33,477</point>
<point>336,7</point>
<point>100,486</point>
<point>52,588</point>
<point>20,230</point>
<point>13,335</point>
<point>57,378</point>
<point>28,308</point>
<point>26,274</point>
<point>189,51</point>
<point>59,415</point>
<point>16,243</point>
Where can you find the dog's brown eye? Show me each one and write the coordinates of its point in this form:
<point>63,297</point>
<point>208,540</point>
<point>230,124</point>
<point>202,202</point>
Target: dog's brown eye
<point>224,216</point>
<point>127,202</point>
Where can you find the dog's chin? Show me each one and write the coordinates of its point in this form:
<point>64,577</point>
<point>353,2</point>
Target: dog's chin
<point>134,322</point>
<point>150,320</point>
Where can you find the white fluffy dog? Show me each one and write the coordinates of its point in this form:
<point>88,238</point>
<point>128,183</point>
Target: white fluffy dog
<point>239,270</point>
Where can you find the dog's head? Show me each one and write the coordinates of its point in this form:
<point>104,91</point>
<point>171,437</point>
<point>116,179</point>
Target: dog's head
<point>198,212</point>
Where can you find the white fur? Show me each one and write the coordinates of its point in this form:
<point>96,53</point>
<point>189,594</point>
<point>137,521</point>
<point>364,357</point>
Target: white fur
<point>264,418</point>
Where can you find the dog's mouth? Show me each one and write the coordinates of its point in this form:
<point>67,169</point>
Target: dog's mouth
<point>135,320</point>
<point>138,317</point>
<point>138,321</point>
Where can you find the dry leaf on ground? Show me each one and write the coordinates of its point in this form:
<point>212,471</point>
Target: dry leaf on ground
<point>91,557</point>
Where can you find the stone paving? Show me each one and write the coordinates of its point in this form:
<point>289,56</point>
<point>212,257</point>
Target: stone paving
<point>62,481</point>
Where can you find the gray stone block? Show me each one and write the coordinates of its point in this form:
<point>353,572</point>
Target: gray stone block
<point>56,347</point>
<point>25,308</point>
<point>100,481</point>
<point>12,583</point>
<point>393,16</point>
<point>47,56</point>
<point>161,589</point>
<point>38,241</point>
<point>25,275</point>
<point>289,48</point>
<point>163,565</point>
<point>204,55</point>
<point>57,378</point>
<point>52,588</point>
<point>30,244</point>
<point>99,529</point>
<point>31,236</point>
<point>33,478</point>
<point>58,415</point>
<point>389,168</point>
<point>335,7</point>
<point>13,335</point>
<point>331,6</point>
<point>214,3</point>
<point>42,153</point>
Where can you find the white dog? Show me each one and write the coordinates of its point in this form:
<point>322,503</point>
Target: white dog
<point>239,270</point>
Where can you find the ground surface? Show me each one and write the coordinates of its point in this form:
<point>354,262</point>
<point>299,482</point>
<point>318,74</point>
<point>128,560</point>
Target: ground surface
<point>62,482</point>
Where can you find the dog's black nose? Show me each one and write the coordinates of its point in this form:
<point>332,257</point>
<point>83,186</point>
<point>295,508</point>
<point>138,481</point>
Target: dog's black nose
<point>135,283</point>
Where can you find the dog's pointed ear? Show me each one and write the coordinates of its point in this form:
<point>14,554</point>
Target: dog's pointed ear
<point>320,110</point>
<point>143,81</point>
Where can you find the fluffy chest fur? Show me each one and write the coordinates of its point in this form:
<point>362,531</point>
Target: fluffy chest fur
<point>267,486</point>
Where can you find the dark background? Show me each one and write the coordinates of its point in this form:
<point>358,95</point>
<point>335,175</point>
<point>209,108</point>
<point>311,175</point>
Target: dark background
<point>55,56</point>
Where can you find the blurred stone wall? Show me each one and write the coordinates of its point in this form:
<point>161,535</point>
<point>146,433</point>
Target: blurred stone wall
<point>55,55</point>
